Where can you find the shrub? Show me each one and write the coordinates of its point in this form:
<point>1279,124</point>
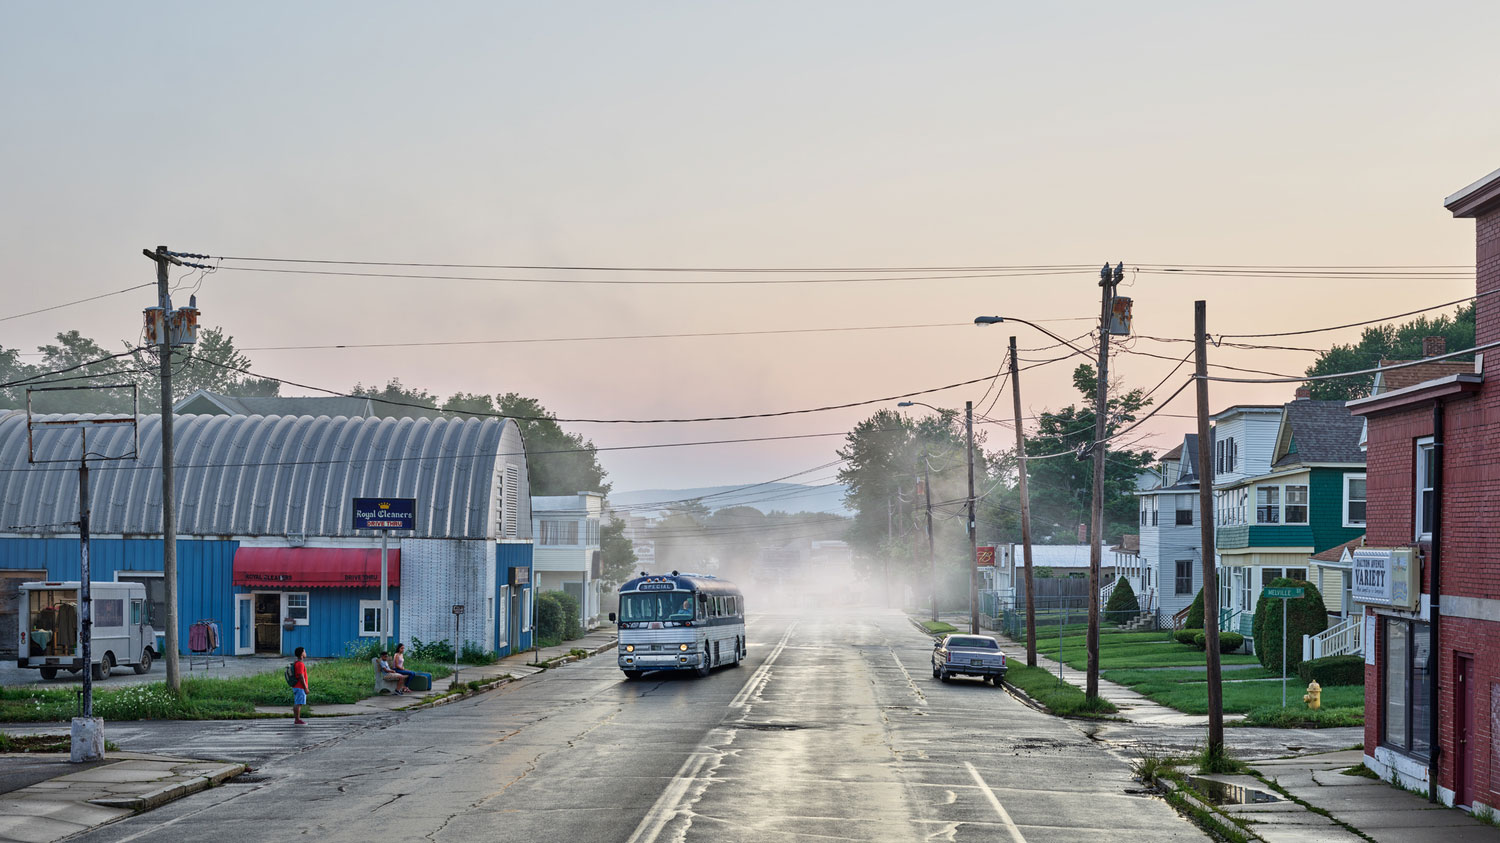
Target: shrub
<point>549,616</point>
<point>1230,641</point>
<point>1122,605</point>
<point>1195,613</point>
<point>1304,616</point>
<point>1200,640</point>
<point>1333,670</point>
<point>1187,636</point>
<point>475,654</point>
<point>572,616</point>
<point>436,651</point>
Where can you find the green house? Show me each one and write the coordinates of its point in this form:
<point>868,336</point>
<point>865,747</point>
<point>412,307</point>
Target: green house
<point>1311,497</point>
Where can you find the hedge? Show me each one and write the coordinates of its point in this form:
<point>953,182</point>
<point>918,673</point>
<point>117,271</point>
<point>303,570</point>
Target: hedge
<point>1228,641</point>
<point>1123,605</point>
<point>1186,636</point>
<point>1304,616</point>
<point>1333,670</point>
<point>1195,613</point>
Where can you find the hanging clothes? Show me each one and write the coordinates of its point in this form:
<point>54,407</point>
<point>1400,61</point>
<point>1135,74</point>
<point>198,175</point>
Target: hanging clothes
<point>67,628</point>
<point>198,637</point>
<point>213,635</point>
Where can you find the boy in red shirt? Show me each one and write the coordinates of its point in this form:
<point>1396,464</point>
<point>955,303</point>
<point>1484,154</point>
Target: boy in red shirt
<point>299,686</point>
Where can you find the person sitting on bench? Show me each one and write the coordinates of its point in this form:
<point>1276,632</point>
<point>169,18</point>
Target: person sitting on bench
<point>386,674</point>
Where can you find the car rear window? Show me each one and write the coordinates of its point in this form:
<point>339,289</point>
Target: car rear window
<point>973,642</point>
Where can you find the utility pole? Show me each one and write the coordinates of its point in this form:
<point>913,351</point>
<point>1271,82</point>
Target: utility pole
<point>931,554</point>
<point>1108,278</point>
<point>973,535</point>
<point>890,538</point>
<point>163,259</point>
<point>1015,386</point>
<point>1206,536</point>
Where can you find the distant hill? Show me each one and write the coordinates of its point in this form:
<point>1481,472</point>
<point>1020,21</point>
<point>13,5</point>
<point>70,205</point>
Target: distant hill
<point>784,497</point>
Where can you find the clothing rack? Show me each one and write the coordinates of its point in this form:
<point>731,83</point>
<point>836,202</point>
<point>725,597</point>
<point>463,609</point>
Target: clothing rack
<point>205,644</point>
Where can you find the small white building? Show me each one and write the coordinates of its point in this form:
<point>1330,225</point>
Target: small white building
<point>567,557</point>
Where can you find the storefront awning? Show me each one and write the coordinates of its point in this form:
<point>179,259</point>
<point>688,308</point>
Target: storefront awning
<point>313,567</point>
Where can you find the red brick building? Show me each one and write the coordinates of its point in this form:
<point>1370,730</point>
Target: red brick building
<point>1430,574</point>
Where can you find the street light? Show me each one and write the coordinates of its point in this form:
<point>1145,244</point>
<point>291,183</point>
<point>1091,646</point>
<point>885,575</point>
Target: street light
<point>973,536</point>
<point>995,320</point>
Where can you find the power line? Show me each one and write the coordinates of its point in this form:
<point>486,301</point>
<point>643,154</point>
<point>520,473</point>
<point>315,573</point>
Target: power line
<point>75,301</point>
<point>480,414</point>
<point>1359,324</point>
<point>636,282</point>
<point>1359,372</point>
<point>667,269</point>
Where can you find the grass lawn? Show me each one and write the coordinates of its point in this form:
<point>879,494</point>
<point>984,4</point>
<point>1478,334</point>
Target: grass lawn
<point>1243,696</point>
<point>332,682</point>
<point>1119,650</point>
<point>1058,697</point>
<point>939,627</point>
<point>1139,676</point>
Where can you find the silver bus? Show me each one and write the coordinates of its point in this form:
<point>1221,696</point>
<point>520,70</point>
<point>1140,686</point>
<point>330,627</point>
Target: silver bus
<point>680,622</point>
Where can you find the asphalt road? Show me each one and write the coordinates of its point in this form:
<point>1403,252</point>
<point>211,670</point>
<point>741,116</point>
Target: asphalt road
<point>832,730</point>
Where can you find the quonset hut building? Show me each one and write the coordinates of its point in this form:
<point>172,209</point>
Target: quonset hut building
<point>266,547</point>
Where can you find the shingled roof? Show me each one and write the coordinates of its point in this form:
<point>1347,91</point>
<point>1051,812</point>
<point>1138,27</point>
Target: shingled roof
<point>1318,432</point>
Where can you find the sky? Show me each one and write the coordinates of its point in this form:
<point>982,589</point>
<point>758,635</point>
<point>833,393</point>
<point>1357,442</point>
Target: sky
<point>678,134</point>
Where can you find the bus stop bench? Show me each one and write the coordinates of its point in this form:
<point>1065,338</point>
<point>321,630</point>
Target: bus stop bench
<point>383,681</point>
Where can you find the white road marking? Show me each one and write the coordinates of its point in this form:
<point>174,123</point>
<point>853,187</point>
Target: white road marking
<point>1015,833</point>
<point>669,805</point>
<point>762,673</point>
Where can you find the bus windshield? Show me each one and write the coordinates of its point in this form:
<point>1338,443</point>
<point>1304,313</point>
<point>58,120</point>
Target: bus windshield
<point>658,606</point>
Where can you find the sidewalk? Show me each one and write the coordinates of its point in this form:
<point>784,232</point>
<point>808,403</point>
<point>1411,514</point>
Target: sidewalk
<point>1376,809</point>
<point>74,798</point>
<point>516,666</point>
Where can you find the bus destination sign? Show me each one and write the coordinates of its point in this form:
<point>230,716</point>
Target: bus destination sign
<point>385,513</point>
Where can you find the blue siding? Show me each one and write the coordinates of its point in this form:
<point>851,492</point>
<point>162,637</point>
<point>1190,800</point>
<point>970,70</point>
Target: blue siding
<point>205,570</point>
<point>509,556</point>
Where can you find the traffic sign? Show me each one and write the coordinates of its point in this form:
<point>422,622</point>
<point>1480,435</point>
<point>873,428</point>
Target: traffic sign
<point>1283,593</point>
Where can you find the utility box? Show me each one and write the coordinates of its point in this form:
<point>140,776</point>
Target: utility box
<point>1120,316</point>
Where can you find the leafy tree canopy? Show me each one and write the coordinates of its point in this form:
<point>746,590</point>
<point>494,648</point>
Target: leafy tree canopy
<point>1395,342</point>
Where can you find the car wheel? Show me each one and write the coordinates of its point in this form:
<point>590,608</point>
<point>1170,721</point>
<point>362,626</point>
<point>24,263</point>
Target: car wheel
<point>935,673</point>
<point>943,674</point>
<point>49,673</point>
<point>105,665</point>
<point>144,665</point>
<point>634,674</point>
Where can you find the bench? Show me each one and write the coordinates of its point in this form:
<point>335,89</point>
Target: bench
<point>384,682</point>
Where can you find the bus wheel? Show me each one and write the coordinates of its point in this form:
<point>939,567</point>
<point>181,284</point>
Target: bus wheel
<point>703,671</point>
<point>49,673</point>
<point>634,674</point>
<point>738,648</point>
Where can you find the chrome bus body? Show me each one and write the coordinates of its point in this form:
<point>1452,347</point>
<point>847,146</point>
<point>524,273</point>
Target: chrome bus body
<point>652,638</point>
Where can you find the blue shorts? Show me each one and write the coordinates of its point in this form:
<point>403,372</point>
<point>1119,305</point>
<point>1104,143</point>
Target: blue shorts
<point>299,696</point>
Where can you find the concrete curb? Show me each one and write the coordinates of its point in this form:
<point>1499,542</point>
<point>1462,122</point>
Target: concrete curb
<point>568,659</point>
<point>505,680</point>
<point>172,792</point>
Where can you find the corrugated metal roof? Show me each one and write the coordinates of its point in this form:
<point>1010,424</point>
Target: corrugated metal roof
<point>269,475</point>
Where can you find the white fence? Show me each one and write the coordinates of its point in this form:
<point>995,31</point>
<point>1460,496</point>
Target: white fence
<point>1345,639</point>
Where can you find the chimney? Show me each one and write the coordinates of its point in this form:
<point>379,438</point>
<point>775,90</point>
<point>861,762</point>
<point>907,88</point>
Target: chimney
<point>1434,346</point>
<point>1303,393</point>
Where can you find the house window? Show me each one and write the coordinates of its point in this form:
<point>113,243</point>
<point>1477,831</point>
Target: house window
<point>369,618</point>
<point>1354,500</point>
<point>1296,504</point>
<point>1183,581</point>
<point>296,607</point>
<point>1405,686</point>
<point>559,532</point>
<point>1268,504</point>
<point>593,528</point>
<point>1143,511</point>
<point>1245,590</point>
<point>1184,510</point>
<point>1268,576</point>
<point>1226,454</point>
<point>1426,465</point>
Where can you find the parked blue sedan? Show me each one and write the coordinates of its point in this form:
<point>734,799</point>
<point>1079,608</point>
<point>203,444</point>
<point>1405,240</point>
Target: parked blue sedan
<point>968,655</point>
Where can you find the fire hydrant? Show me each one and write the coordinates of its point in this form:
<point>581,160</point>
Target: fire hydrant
<point>1314,696</point>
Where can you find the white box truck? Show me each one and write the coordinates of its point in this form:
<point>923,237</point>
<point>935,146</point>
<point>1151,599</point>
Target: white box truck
<point>49,628</point>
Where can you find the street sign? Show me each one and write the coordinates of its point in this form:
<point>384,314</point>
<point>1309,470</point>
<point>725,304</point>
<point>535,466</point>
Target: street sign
<point>1283,593</point>
<point>385,513</point>
<point>458,608</point>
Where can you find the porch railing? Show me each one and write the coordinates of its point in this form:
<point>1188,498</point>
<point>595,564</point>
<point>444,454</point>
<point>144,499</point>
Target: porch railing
<point>1344,639</point>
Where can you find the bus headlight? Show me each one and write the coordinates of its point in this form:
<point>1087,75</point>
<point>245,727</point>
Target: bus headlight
<point>630,648</point>
<point>682,647</point>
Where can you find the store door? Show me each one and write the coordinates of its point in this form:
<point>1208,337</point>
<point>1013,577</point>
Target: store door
<point>267,623</point>
<point>244,624</point>
<point>10,603</point>
<point>1463,728</point>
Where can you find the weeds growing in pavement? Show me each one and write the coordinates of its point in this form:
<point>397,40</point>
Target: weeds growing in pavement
<point>1220,761</point>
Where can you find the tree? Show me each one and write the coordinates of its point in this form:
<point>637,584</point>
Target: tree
<point>395,400</point>
<point>476,403</point>
<point>71,351</point>
<point>560,463</point>
<point>1396,342</point>
<point>1194,618</point>
<point>1062,487</point>
<point>1122,605</point>
<point>1305,615</point>
<point>616,553</point>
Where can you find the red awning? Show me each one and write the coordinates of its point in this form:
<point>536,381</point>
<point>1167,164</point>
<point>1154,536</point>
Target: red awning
<point>313,567</point>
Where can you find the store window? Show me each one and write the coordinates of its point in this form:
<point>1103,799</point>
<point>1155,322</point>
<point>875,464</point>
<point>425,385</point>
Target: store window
<point>369,618</point>
<point>1405,686</point>
<point>297,605</point>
